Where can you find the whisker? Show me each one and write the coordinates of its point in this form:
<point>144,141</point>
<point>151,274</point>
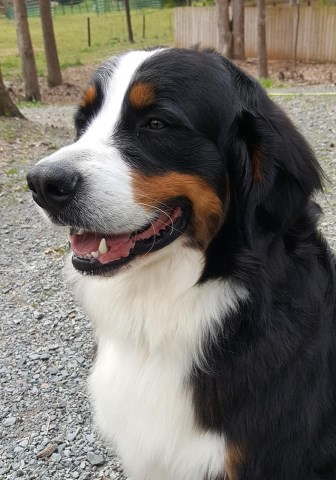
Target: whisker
<point>153,243</point>
<point>155,200</point>
<point>154,207</point>
<point>160,210</point>
<point>149,221</point>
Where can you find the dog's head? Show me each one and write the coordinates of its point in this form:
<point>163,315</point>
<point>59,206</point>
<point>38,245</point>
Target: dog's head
<point>175,143</point>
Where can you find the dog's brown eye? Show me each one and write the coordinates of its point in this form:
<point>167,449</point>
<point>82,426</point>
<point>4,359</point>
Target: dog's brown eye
<point>155,124</point>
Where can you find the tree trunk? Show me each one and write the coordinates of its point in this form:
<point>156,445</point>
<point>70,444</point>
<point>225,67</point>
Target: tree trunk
<point>129,23</point>
<point>7,107</point>
<point>50,49</point>
<point>238,19</point>
<point>224,28</point>
<point>261,40</point>
<point>31,86</point>
<point>296,38</point>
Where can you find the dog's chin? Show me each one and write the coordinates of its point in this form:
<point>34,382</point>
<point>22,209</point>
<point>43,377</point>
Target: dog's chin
<point>95,253</point>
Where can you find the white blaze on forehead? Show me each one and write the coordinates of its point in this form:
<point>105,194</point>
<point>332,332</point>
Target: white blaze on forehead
<point>115,88</point>
<point>106,201</point>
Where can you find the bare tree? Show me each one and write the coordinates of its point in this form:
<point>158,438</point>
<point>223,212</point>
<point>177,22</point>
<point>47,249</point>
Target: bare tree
<point>53,66</point>
<point>261,40</point>
<point>224,28</point>
<point>238,19</point>
<point>31,86</point>
<point>129,23</point>
<point>7,107</point>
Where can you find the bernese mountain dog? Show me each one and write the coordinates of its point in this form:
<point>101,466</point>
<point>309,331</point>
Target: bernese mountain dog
<point>195,252</point>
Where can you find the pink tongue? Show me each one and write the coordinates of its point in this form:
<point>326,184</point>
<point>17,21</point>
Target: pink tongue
<point>118,246</point>
<point>86,243</point>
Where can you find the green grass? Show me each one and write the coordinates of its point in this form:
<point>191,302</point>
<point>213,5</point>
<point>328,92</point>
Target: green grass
<point>32,104</point>
<point>7,132</point>
<point>271,83</point>
<point>11,171</point>
<point>108,36</point>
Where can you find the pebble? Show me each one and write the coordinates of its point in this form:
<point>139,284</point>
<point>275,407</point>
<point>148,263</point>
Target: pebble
<point>86,476</point>
<point>34,356</point>
<point>9,422</point>
<point>95,459</point>
<point>56,457</point>
<point>45,356</point>
<point>59,438</point>
<point>4,470</point>
<point>90,438</point>
<point>71,436</point>
<point>53,370</point>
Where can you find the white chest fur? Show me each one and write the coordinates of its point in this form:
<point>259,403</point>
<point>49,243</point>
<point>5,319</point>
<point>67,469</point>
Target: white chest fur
<point>150,321</point>
<point>143,407</point>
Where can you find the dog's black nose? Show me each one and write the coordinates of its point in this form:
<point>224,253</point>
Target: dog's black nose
<point>53,186</point>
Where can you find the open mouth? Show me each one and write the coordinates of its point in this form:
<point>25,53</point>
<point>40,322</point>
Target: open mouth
<point>96,253</point>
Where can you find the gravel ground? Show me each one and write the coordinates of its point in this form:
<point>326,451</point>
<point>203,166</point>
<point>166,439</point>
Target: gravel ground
<point>46,347</point>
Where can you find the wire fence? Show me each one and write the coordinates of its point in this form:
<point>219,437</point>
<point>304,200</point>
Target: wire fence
<point>66,7</point>
<point>84,37</point>
<point>87,33</point>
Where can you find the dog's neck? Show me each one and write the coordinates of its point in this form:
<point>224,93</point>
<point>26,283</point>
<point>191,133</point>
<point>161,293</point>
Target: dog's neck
<point>157,304</point>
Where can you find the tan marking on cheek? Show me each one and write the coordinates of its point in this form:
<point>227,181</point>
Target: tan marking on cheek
<point>141,95</point>
<point>235,456</point>
<point>89,96</point>
<point>207,207</point>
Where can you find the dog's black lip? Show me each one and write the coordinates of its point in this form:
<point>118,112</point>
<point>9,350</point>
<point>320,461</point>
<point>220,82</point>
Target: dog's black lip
<point>94,267</point>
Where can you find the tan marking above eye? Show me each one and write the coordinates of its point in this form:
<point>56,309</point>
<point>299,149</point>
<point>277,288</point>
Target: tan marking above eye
<point>141,95</point>
<point>207,207</point>
<point>89,96</point>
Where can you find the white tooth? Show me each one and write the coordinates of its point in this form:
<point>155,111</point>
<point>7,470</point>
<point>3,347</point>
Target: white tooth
<point>95,254</point>
<point>102,246</point>
<point>80,231</point>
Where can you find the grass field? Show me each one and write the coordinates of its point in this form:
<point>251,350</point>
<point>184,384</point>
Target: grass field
<point>108,35</point>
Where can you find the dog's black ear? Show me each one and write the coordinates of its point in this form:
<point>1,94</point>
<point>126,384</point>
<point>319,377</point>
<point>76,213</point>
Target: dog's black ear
<point>272,169</point>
